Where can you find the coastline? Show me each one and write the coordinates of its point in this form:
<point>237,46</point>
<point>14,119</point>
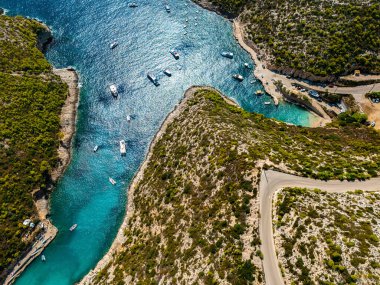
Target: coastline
<point>268,85</point>
<point>67,128</point>
<point>120,239</point>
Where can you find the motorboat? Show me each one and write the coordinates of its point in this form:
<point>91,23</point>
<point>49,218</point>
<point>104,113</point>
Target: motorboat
<point>113,45</point>
<point>73,227</point>
<point>267,103</point>
<point>96,148</point>
<point>113,182</point>
<point>259,92</point>
<point>227,54</point>
<point>132,5</point>
<point>174,53</point>
<point>238,77</point>
<point>167,72</point>
<point>123,149</point>
<point>43,258</point>
<point>113,89</point>
<point>167,8</point>
<point>128,118</point>
<point>153,78</point>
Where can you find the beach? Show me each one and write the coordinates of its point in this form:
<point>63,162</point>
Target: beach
<point>67,129</point>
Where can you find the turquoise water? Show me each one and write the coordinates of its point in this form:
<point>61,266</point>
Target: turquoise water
<point>83,30</point>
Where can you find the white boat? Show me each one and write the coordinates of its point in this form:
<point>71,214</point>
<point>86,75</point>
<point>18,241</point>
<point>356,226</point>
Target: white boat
<point>167,8</point>
<point>128,118</point>
<point>246,65</point>
<point>113,89</point>
<point>267,103</point>
<point>96,148</point>
<point>113,45</point>
<point>73,227</point>
<point>167,72</point>
<point>123,149</point>
<point>238,77</point>
<point>174,53</point>
<point>153,78</point>
<point>132,5</point>
<point>113,182</point>
<point>227,54</point>
<point>43,258</point>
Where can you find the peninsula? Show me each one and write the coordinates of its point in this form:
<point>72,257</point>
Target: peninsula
<point>38,110</point>
<point>193,212</point>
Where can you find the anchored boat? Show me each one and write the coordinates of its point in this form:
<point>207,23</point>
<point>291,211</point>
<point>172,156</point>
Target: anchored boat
<point>132,5</point>
<point>43,258</point>
<point>167,72</point>
<point>227,54</point>
<point>167,8</point>
<point>96,148</point>
<point>73,227</point>
<point>123,149</point>
<point>238,77</point>
<point>113,45</point>
<point>153,78</point>
<point>113,182</point>
<point>113,89</point>
<point>259,92</point>
<point>174,53</point>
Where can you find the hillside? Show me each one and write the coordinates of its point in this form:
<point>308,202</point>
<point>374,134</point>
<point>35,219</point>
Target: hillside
<point>193,208</point>
<point>31,97</point>
<point>328,238</point>
<point>320,37</point>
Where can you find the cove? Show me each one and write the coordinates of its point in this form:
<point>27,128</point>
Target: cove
<point>83,31</point>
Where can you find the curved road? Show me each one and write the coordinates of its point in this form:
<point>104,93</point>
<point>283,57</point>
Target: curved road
<point>272,181</point>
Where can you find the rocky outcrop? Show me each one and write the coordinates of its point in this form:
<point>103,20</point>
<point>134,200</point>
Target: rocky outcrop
<point>44,38</point>
<point>301,74</point>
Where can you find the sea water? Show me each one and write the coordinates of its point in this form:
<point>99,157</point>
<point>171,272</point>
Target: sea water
<point>83,31</point>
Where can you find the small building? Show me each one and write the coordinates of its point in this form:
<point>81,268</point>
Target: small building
<point>357,72</point>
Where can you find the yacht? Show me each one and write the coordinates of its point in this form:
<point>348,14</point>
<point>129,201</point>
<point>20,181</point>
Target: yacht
<point>113,45</point>
<point>96,148</point>
<point>153,78</point>
<point>128,118</point>
<point>167,8</point>
<point>174,53</point>
<point>123,149</point>
<point>227,54</point>
<point>167,72</point>
<point>113,89</point>
<point>238,77</point>
<point>113,182</point>
<point>132,5</point>
<point>73,227</point>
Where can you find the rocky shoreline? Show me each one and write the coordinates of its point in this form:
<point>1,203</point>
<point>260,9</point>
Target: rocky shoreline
<point>120,238</point>
<point>68,127</point>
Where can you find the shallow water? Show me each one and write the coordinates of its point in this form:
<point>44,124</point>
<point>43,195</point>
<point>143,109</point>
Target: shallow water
<point>83,30</point>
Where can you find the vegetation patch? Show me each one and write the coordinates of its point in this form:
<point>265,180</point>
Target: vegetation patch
<point>31,97</point>
<point>194,218</point>
<point>328,238</point>
<point>321,37</point>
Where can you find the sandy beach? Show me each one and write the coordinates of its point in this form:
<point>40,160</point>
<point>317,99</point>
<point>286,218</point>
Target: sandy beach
<point>67,122</point>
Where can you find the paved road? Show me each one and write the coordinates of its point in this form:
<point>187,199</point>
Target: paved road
<point>272,181</point>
